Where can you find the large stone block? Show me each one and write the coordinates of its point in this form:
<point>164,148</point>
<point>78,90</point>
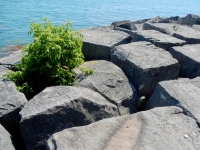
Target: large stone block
<point>181,93</point>
<point>12,59</point>
<point>187,34</point>
<point>6,140</point>
<point>196,27</point>
<point>11,103</point>
<point>110,81</point>
<point>188,57</point>
<point>158,129</point>
<point>60,107</point>
<point>145,65</point>
<point>98,41</point>
<point>157,38</point>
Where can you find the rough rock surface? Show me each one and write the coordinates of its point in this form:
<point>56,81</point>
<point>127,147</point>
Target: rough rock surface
<point>181,93</point>
<point>175,19</point>
<point>196,27</point>
<point>158,129</point>
<point>98,41</point>
<point>12,58</point>
<point>191,19</point>
<point>145,65</point>
<point>187,34</point>
<point>157,38</point>
<point>60,107</point>
<point>11,102</point>
<point>6,140</point>
<point>110,81</point>
<point>188,57</point>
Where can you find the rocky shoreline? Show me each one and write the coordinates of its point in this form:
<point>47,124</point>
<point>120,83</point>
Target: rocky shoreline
<point>144,93</point>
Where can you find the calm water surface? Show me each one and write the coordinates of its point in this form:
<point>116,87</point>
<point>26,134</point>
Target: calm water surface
<point>15,15</point>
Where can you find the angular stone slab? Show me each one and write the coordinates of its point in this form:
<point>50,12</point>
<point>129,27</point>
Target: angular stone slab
<point>6,140</point>
<point>3,70</point>
<point>158,129</point>
<point>60,107</point>
<point>175,19</point>
<point>196,27</point>
<point>188,57</point>
<point>98,41</point>
<point>11,103</point>
<point>187,34</point>
<point>110,81</point>
<point>12,59</point>
<point>145,65</point>
<point>181,93</point>
<point>157,38</point>
<point>191,19</point>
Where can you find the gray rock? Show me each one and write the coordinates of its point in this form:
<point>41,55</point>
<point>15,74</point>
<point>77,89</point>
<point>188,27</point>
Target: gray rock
<point>129,26</point>
<point>154,20</point>
<point>3,70</point>
<point>145,65</point>
<point>179,93</point>
<point>140,21</point>
<point>188,57</point>
<point>191,19</point>
<point>196,27</point>
<point>98,41</point>
<point>60,107</point>
<point>187,34</point>
<point>195,81</point>
<point>158,129</point>
<point>175,19</point>
<point>110,81</point>
<point>157,38</point>
<point>6,140</point>
<point>12,59</point>
<point>119,23</point>
<point>11,103</point>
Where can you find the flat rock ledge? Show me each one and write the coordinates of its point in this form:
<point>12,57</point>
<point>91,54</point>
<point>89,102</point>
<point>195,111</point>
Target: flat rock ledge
<point>110,81</point>
<point>145,65</point>
<point>160,128</point>
<point>6,140</point>
<point>183,93</point>
<point>188,57</point>
<point>98,41</point>
<point>60,107</point>
<point>185,33</point>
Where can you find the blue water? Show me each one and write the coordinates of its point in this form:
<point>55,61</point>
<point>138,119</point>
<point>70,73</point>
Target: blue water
<point>15,15</point>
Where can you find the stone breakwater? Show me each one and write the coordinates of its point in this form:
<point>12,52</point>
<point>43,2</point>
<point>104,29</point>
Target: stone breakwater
<point>151,65</point>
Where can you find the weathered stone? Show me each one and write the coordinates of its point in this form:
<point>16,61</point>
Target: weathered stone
<point>12,59</point>
<point>175,19</point>
<point>191,19</point>
<point>196,27</point>
<point>119,23</point>
<point>60,107</point>
<point>157,38</point>
<point>6,140</point>
<point>11,102</point>
<point>179,93</point>
<point>129,26</point>
<point>158,129</point>
<point>188,57</point>
<point>3,71</point>
<point>195,81</point>
<point>98,41</point>
<point>187,34</point>
<point>154,20</point>
<point>110,81</point>
<point>145,65</point>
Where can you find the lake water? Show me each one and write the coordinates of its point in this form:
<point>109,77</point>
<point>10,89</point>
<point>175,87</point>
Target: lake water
<point>15,15</point>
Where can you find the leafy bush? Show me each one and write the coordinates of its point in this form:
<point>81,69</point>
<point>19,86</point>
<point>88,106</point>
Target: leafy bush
<point>52,55</point>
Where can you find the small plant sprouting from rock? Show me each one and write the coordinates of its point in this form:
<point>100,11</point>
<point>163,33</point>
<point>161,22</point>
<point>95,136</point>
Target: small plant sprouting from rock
<point>52,55</point>
<point>87,72</point>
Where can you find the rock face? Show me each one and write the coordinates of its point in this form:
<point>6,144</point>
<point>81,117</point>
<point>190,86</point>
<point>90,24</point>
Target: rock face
<point>188,57</point>
<point>160,128</point>
<point>6,141</point>
<point>11,103</point>
<point>98,41</point>
<point>12,58</point>
<point>60,107</point>
<point>111,83</point>
<point>157,38</point>
<point>196,27</point>
<point>187,34</point>
<point>181,93</point>
<point>191,19</point>
<point>175,19</point>
<point>145,65</point>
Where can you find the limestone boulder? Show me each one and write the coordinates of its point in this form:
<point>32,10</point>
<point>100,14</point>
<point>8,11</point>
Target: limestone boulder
<point>161,128</point>
<point>6,140</point>
<point>188,57</point>
<point>60,107</point>
<point>11,103</point>
<point>185,33</point>
<point>98,41</point>
<point>175,19</point>
<point>196,27</point>
<point>157,38</point>
<point>145,65</point>
<point>181,93</point>
<point>191,19</point>
<point>12,59</point>
<point>110,81</point>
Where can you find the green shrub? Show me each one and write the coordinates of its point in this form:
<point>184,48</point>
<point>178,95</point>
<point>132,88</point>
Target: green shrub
<point>52,55</point>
